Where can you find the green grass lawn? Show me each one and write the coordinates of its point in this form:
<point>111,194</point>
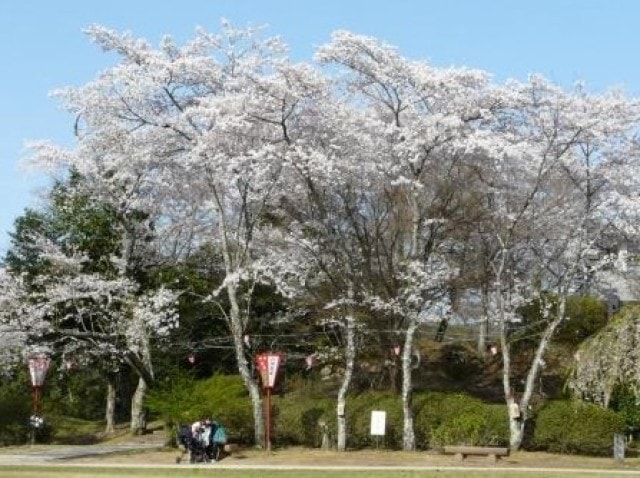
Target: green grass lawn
<point>120,472</point>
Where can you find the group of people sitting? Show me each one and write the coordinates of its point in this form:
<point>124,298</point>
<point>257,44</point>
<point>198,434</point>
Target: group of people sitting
<point>204,440</point>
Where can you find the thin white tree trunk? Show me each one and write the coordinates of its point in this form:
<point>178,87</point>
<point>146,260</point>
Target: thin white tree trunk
<point>518,421</point>
<point>408,434</point>
<point>516,424</point>
<point>138,415</point>
<point>237,331</point>
<point>138,411</point>
<point>534,372</point>
<point>483,329</point>
<point>516,429</point>
<point>110,410</point>
<point>350,355</point>
<point>237,323</point>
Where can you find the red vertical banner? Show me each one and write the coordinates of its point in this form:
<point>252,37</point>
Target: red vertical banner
<point>268,365</point>
<point>273,365</point>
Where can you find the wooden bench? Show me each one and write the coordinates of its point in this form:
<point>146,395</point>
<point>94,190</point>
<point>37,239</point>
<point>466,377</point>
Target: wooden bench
<point>491,452</point>
<point>230,448</point>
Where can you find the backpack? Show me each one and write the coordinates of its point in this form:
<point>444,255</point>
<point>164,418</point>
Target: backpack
<point>220,435</point>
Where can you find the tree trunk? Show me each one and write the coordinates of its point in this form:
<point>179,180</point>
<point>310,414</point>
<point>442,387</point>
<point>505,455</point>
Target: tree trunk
<point>350,355</point>
<point>138,412</point>
<point>408,434</point>
<point>515,412</point>
<point>483,332</point>
<point>483,329</point>
<point>237,321</point>
<point>517,423</point>
<point>144,368</point>
<point>516,432</point>
<point>110,410</point>
<point>237,331</point>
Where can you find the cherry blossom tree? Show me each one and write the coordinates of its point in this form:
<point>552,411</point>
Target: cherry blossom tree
<point>89,317</point>
<point>608,359</point>
<point>194,138</point>
<point>19,327</point>
<point>422,125</point>
<point>549,197</point>
<point>376,179</point>
<point>324,257</point>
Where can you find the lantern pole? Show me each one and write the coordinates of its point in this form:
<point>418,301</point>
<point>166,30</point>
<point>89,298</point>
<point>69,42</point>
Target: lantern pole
<point>268,434</point>
<point>38,367</point>
<point>268,365</point>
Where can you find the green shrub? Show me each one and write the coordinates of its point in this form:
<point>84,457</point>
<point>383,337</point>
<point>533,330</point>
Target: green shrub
<point>15,409</point>
<point>299,416</point>
<point>439,419</point>
<point>462,420</point>
<point>624,402</point>
<point>438,415</point>
<point>174,402</point>
<point>485,426</point>
<point>225,398</point>
<point>299,420</point>
<point>221,397</point>
<point>576,427</point>
<point>429,413</point>
<point>466,429</point>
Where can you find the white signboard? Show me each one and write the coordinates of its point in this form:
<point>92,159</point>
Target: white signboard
<point>378,422</point>
<point>273,362</point>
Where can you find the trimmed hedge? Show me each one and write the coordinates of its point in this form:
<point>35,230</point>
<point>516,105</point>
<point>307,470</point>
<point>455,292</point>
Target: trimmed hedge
<point>300,417</point>
<point>439,419</point>
<point>576,427</point>
<point>458,419</point>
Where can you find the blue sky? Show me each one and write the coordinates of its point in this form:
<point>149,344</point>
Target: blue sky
<point>42,47</point>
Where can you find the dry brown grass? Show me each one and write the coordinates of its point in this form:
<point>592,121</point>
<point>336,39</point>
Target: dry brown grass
<point>316,457</point>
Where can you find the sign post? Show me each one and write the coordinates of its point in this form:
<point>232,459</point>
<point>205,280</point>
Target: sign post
<point>268,365</point>
<point>38,367</point>
<point>378,424</point>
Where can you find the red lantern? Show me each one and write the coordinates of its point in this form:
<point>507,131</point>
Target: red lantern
<point>38,367</point>
<point>268,365</point>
